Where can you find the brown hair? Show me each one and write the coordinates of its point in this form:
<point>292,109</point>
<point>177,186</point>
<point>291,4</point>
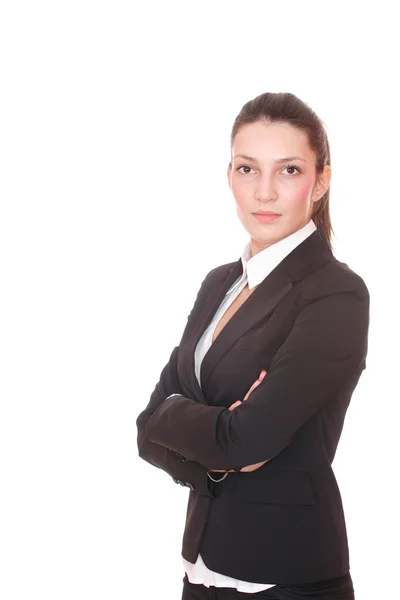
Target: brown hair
<point>283,107</point>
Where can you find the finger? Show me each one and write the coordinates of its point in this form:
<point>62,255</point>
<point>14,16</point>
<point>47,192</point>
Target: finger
<point>255,384</point>
<point>235,404</point>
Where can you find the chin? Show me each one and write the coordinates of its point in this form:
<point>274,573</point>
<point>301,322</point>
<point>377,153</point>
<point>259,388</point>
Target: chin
<point>269,232</point>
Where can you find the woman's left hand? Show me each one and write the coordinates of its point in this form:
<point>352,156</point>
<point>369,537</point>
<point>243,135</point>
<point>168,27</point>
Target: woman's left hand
<point>247,469</point>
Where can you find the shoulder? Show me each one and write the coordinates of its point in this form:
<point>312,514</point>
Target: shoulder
<point>210,279</point>
<point>218,273</point>
<point>334,277</point>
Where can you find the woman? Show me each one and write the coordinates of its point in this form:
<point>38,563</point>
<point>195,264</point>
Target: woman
<point>285,329</point>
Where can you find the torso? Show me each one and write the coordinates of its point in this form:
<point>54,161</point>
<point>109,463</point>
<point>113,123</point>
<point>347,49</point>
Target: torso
<point>230,311</point>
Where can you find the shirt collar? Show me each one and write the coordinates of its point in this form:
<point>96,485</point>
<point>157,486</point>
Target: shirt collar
<point>257,267</point>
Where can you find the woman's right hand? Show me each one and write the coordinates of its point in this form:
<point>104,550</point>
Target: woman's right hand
<point>256,466</point>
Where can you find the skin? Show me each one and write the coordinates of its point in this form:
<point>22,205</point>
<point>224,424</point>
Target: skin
<point>261,184</point>
<point>288,187</point>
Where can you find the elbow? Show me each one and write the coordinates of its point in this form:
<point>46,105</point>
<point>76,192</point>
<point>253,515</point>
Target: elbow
<point>141,435</point>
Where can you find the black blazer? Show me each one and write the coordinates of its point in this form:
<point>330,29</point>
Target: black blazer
<point>307,325</point>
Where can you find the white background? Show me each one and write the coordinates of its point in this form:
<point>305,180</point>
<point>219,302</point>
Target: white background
<point>115,125</point>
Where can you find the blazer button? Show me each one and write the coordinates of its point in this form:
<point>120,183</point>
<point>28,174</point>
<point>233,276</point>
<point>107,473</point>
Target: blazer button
<point>181,456</point>
<point>189,485</point>
<point>178,481</point>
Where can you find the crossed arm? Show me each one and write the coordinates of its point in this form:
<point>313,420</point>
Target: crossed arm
<point>326,346</point>
<point>162,456</point>
<point>173,463</point>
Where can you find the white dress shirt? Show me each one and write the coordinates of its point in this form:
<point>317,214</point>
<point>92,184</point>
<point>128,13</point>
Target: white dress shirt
<point>255,269</point>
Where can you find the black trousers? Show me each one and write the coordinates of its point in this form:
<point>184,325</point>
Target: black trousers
<point>340,588</point>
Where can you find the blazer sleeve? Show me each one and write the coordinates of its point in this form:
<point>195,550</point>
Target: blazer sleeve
<point>326,346</point>
<point>183,470</point>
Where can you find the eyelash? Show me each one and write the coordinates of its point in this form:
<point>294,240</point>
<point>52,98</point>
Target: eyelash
<point>287,167</point>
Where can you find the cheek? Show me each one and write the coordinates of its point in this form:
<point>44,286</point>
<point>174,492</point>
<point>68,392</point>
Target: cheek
<point>302,194</point>
<point>240,195</point>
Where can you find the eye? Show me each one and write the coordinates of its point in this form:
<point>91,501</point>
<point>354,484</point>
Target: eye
<point>243,167</point>
<point>293,167</point>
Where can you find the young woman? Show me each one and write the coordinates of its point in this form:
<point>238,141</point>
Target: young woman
<point>284,329</point>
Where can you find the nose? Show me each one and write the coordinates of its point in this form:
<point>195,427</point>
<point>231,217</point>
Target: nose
<point>266,190</point>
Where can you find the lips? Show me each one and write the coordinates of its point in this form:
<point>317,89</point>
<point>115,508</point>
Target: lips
<point>266,217</point>
<point>267,212</point>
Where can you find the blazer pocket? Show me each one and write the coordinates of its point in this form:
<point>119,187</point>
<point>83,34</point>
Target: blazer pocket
<point>280,487</point>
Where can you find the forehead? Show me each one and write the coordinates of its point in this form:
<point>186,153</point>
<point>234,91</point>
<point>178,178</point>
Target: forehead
<point>270,141</point>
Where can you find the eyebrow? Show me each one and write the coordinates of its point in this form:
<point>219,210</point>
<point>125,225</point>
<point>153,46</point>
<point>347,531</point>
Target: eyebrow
<point>277,161</point>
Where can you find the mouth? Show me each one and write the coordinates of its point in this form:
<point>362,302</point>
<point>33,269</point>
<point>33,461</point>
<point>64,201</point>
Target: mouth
<point>266,217</point>
<point>266,212</point>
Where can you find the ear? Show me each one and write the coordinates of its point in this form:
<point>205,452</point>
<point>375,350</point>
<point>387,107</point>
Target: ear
<point>229,174</point>
<point>322,183</point>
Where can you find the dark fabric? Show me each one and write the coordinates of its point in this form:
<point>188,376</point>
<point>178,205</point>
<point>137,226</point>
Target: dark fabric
<point>186,473</point>
<point>339,588</point>
<point>306,324</point>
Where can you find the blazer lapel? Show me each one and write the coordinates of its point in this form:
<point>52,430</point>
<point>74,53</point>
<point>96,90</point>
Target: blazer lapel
<point>311,254</point>
<point>202,320</point>
<point>257,307</point>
